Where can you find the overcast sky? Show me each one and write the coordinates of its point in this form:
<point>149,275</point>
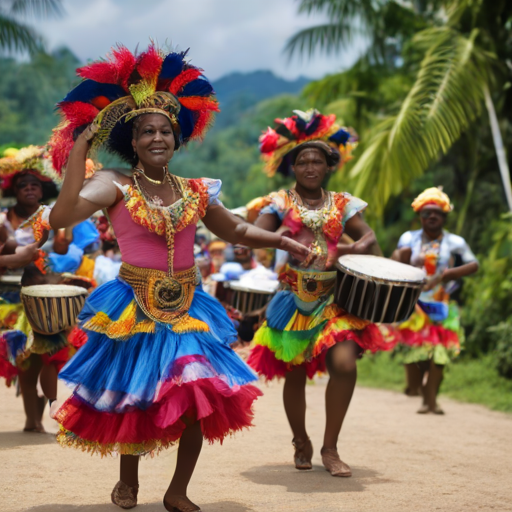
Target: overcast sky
<point>224,35</point>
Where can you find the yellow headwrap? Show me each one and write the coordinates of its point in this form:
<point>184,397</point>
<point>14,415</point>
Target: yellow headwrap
<point>434,195</point>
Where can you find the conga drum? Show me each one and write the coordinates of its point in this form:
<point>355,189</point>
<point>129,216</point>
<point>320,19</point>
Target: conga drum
<point>52,308</point>
<point>377,289</point>
<point>249,295</point>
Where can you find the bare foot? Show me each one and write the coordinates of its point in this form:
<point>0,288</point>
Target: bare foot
<point>176,503</point>
<point>124,496</point>
<point>38,430</point>
<point>332,462</point>
<point>54,408</point>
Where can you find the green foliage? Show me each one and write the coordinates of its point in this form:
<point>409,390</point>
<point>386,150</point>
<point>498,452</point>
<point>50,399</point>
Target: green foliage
<point>467,380</point>
<point>503,350</point>
<point>488,295</point>
<point>14,35</point>
<point>29,92</point>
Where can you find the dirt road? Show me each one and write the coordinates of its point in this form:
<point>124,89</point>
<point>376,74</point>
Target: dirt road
<point>401,461</point>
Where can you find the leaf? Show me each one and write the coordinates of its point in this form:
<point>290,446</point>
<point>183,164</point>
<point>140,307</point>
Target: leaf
<point>445,99</point>
<point>40,8</point>
<point>15,36</point>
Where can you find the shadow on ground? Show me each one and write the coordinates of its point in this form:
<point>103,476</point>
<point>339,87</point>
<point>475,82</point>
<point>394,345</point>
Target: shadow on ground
<point>220,506</point>
<point>316,480</point>
<point>9,440</point>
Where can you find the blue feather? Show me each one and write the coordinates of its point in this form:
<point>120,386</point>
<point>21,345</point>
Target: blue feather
<point>16,342</point>
<point>89,89</point>
<point>172,65</point>
<point>187,122</point>
<point>340,137</point>
<point>198,87</point>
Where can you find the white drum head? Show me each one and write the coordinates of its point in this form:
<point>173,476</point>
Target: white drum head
<point>53,290</point>
<point>10,279</point>
<point>375,267</point>
<point>251,286</point>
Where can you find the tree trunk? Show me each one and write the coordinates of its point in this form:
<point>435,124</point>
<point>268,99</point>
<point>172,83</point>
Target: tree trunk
<point>500,150</point>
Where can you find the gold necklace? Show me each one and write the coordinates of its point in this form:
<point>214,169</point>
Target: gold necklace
<point>151,180</point>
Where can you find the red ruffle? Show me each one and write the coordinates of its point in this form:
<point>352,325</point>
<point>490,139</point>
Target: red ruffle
<point>220,409</point>
<point>370,338</point>
<point>7,370</point>
<point>77,337</point>
<point>60,358</point>
<point>432,335</point>
<point>263,361</point>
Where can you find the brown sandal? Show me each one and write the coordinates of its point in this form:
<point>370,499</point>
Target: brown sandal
<point>180,504</point>
<point>303,453</point>
<point>332,462</point>
<point>124,496</point>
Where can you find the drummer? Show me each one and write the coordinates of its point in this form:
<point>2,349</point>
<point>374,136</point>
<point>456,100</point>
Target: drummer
<point>22,176</point>
<point>431,336</point>
<point>305,331</point>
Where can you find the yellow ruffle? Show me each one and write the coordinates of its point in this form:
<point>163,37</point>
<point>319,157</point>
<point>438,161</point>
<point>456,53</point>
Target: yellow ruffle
<point>122,328</point>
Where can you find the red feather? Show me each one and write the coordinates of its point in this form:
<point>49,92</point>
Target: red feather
<point>60,146</point>
<point>149,63</point>
<point>116,70</point>
<point>199,103</point>
<point>78,113</point>
<point>183,79</point>
<point>203,122</point>
<point>268,141</point>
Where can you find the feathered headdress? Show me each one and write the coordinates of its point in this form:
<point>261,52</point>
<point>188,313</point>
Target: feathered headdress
<point>279,145</point>
<point>432,196</point>
<point>31,160</point>
<point>116,90</point>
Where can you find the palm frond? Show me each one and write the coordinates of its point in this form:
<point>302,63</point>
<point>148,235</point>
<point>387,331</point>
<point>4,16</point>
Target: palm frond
<point>42,8</point>
<point>329,38</point>
<point>15,36</point>
<point>445,99</point>
<point>340,9</point>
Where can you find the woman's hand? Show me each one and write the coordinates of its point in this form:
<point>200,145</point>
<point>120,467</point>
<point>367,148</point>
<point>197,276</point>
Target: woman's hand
<point>295,249</point>
<point>25,254</point>
<point>432,282</point>
<point>88,134</point>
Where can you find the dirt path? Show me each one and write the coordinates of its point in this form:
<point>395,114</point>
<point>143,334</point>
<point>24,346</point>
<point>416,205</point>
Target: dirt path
<point>401,462</point>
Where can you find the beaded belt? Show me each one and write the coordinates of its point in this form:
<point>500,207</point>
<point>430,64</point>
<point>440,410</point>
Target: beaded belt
<point>161,297</point>
<point>309,286</point>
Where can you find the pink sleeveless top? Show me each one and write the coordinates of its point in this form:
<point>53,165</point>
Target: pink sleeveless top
<point>141,248</point>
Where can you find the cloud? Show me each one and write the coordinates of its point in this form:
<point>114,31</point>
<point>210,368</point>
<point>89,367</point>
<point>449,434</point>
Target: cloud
<point>224,35</point>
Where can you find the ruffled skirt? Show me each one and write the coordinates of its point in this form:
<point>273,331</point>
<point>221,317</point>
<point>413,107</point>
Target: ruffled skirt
<point>18,342</point>
<point>422,339</point>
<point>291,338</point>
<point>137,383</point>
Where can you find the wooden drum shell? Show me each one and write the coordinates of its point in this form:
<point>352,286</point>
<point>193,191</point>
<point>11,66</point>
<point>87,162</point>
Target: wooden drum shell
<point>378,300</point>
<point>50,315</point>
<point>245,299</point>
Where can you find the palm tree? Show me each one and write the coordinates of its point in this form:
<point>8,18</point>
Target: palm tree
<point>459,43</point>
<point>16,36</point>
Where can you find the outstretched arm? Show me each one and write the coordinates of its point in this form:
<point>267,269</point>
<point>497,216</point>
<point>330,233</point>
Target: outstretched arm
<point>71,208</point>
<point>231,228</point>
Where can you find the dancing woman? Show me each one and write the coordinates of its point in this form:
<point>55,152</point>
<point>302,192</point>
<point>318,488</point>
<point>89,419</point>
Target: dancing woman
<point>430,338</point>
<point>157,367</point>
<point>32,357</point>
<point>305,331</point>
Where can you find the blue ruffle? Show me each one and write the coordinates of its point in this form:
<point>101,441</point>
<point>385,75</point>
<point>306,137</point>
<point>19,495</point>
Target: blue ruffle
<point>116,375</point>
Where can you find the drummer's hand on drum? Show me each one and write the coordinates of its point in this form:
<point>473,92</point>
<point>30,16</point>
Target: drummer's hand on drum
<point>295,249</point>
<point>25,254</point>
<point>432,282</point>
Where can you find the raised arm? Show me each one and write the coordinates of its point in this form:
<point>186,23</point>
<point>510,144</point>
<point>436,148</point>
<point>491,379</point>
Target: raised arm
<point>231,228</point>
<point>71,208</point>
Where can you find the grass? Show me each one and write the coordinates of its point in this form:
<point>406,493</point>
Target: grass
<point>467,380</point>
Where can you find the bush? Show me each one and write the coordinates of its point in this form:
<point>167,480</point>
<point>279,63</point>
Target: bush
<point>503,350</point>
